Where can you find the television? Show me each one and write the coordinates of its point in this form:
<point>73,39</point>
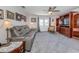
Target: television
<point>65,22</point>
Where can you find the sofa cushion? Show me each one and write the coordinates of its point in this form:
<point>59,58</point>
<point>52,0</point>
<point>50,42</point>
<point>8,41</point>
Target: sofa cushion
<point>14,33</point>
<point>25,30</point>
<point>27,33</point>
<point>20,30</point>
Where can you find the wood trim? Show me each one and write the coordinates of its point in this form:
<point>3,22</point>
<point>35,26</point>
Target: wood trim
<point>65,30</point>
<point>75,26</point>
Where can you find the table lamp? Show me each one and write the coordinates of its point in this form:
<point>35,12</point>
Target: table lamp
<point>7,24</point>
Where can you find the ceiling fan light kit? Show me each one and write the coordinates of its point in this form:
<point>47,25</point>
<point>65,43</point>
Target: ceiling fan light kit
<point>50,12</point>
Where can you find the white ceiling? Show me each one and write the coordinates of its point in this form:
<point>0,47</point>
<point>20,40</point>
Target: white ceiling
<point>42,10</point>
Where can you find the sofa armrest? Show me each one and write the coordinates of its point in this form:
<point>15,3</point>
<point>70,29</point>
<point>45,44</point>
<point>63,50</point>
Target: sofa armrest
<point>17,38</point>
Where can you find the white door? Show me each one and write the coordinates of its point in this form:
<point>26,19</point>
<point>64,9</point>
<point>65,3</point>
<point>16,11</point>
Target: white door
<point>44,24</point>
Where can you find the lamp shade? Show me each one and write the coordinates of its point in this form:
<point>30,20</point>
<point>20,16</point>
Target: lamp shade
<point>7,24</point>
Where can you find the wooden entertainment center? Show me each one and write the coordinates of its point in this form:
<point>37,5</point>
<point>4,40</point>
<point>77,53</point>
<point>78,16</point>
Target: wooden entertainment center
<point>67,24</point>
<point>75,25</point>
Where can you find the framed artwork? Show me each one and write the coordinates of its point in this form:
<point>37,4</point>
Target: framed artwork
<point>10,15</point>
<point>23,18</point>
<point>18,16</point>
<point>1,14</point>
<point>33,19</point>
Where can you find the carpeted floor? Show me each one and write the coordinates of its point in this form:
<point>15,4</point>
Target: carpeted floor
<point>46,42</point>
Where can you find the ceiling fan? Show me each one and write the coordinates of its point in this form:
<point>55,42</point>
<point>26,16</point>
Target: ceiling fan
<point>23,6</point>
<point>52,9</point>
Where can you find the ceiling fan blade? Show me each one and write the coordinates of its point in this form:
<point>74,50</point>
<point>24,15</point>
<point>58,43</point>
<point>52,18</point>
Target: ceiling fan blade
<point>56,11</point>
<point>54,8</point>
<point>23,6</point>
<point>49,9</point>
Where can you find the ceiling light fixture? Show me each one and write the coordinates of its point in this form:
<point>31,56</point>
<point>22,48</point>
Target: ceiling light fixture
<point>50,12</point>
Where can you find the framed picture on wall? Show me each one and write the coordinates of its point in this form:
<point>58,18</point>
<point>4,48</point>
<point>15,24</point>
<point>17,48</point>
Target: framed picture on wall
<point>1,14</point>
<point>23,18</point>
<point>18,16</point>
<point>10,15</point>
<point>33,19</point>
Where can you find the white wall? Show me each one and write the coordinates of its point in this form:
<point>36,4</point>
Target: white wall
<point>32,24</point>
<point>14,22</point>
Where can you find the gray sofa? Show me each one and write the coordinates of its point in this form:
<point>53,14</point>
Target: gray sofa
<point>26,33</point>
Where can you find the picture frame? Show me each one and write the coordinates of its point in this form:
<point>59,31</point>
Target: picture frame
<point>23,18</point>
<point>10,15</point>
<point>33,19</point>
<point>1,14</point>
<point>18,17</point>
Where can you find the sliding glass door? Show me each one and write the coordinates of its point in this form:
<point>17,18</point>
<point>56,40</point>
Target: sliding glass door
<point>44,24</point>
